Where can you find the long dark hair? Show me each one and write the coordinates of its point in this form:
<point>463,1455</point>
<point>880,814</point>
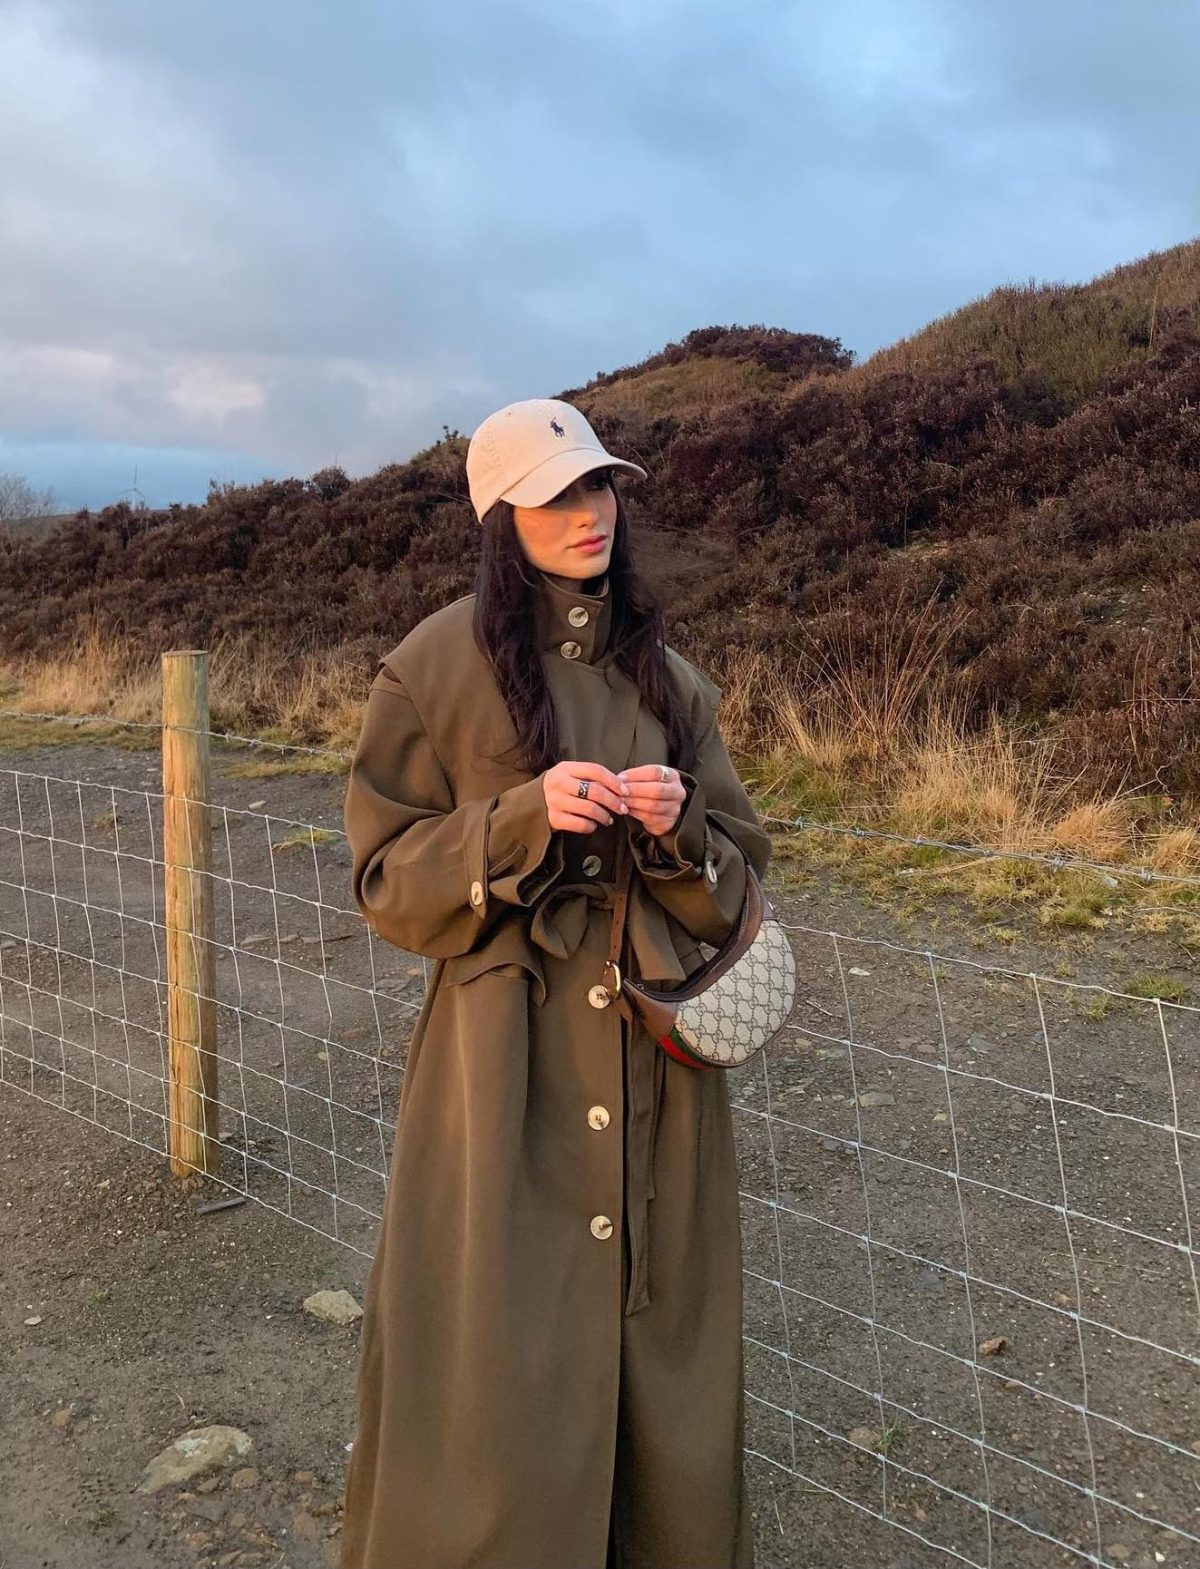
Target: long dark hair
<point>505,629</point>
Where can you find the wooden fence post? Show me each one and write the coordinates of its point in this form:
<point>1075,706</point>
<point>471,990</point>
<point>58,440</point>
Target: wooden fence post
<point>193,1138</point>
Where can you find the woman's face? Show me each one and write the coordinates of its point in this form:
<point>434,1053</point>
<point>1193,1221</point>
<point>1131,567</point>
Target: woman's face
<point>571,536</point>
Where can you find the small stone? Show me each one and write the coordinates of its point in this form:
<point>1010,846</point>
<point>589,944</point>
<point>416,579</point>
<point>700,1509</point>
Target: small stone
<point>863,1438</point>
<point>303,1525</point>
<point>1117,1551</point>
<point>31,1323</point>
<point>870,1098</point>
<point>198,1450</point>
<point>61,1418</point>
<point>335,1307</point>
<point>833,1145</point>
<point>208,1485</point>
<point>304,1478</point>
<point>857,969</point>
<point>246,1477</point>
<point>198,1539</point>
<point>979,1043</point>
<point>941,1116</point>
<point>256,806</point>
<point>210,1509</point>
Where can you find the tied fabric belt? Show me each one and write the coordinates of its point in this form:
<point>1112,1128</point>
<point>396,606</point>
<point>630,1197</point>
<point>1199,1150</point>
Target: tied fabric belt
<point>558,928</point>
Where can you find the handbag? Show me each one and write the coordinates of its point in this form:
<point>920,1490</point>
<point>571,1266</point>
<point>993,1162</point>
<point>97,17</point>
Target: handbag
<point>736,1004</point>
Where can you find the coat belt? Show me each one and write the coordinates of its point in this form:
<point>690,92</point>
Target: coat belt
<point>558,926</point>
<point>644,1068</point>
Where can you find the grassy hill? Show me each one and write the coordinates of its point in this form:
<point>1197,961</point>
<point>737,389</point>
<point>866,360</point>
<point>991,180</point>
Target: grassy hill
<point>994,521</point>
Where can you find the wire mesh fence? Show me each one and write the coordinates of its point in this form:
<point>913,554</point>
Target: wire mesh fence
<point>313,1010</point>
<point>972,1309</point>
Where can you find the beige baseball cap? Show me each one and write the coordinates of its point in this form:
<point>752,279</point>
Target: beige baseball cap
<point>528,452</point>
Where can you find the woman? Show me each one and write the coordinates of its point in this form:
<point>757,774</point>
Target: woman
<point>550,1373</point>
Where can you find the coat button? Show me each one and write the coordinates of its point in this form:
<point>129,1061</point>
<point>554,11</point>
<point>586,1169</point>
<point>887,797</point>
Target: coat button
<point>598,997</point>
<point>570,650</point>
<point>710,870</point>
<point>477,894</point>
<point>577,616</point>
<point>591,865</point>
<point>601,1227</point>
<point>598,1118</point>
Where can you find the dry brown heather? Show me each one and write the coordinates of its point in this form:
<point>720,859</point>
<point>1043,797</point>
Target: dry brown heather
<point>953,588</point>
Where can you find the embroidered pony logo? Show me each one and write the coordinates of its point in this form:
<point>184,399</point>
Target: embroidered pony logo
<point>557,428</point>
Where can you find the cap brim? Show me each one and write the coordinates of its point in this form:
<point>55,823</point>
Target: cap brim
<point>553,476</point>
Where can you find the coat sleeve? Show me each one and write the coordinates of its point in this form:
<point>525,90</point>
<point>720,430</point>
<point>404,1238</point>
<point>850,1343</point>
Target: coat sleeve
<point>697,872</point>
<point>430,875</point>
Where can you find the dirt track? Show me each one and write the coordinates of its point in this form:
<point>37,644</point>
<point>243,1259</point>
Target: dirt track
<point>154,1318</point>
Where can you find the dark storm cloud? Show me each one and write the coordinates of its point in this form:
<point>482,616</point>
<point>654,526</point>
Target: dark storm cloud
<point>296,232</point>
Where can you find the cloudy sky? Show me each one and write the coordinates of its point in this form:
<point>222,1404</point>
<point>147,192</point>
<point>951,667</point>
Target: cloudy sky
<point>248,237</point>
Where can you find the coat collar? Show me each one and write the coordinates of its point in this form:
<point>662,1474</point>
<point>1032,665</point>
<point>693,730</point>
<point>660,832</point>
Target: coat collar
<point>574,624</point>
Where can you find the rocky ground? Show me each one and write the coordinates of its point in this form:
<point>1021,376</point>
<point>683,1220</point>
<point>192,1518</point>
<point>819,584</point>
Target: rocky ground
<point>910,1103</point>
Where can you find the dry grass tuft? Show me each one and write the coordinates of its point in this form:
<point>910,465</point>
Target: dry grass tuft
<point>1176,850</point>
<point>313,700</point>
<point>94,675</point>
<point>886,744</point>
<point>1095,830</point>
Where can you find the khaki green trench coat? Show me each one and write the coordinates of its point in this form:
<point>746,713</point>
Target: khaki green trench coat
<point>551,1362</point>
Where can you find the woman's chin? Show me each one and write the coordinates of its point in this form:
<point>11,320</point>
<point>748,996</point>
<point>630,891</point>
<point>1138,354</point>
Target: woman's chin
<point>580,565</point>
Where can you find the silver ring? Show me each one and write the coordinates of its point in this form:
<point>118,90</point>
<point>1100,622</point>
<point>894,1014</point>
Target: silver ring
<point>666,773</point>
<point>584,785</point>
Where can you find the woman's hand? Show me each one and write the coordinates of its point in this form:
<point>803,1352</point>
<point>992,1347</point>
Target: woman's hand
<point>578,814</point>
<point>653,800</point>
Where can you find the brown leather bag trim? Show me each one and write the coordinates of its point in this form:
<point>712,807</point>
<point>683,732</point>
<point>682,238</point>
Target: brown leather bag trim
<point>754,909</point>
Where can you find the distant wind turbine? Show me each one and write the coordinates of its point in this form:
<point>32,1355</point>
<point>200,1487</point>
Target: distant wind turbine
<point>134,496</point>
